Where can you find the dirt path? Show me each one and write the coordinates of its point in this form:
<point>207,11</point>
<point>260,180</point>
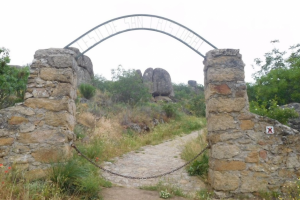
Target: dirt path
<point>152,160</point>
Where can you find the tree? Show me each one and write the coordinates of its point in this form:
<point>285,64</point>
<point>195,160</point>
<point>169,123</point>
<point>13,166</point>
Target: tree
<point>128,87</point>
<point>13,81</point>
<point>278,77</point>
<point>277,83</point>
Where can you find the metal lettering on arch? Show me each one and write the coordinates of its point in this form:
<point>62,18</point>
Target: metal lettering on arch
<point>127,23</point>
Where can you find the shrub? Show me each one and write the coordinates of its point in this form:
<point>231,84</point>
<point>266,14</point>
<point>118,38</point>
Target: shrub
<point>13,81</point>
<point>170,109</point>
<point>272,110</point>
<point>128,87</point>
<point>87,90</point>
<point>199,167</point>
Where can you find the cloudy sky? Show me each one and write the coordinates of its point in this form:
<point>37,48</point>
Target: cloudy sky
<point>27,26</point>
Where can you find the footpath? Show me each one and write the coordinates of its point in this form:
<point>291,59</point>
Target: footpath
<point>148,161</point>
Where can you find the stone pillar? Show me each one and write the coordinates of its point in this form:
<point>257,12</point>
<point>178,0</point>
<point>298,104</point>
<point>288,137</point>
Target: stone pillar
<point>226,99</point>
<point>39,131</point>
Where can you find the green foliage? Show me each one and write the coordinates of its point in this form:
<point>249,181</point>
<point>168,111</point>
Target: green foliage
<point>191,99</point>
<point>199,167</point>
<point>92,150</point>
<point>128,87</point>
<point>87,90</point>
<point>278,77</point>
<point>13,81</point>
<point>272,110</point>
<point>101,83</point>
<point>170,109</point>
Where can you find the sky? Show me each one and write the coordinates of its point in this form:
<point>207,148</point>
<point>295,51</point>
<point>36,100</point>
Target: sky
<point>249,26</point>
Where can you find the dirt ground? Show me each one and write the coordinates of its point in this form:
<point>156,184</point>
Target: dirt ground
<point>120,193</point>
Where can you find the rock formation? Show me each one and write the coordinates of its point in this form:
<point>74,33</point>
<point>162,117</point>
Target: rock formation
<point>159,82</point>
<point>84,71</point>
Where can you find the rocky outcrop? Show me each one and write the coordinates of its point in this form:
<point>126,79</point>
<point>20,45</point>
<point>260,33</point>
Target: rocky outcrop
<point>84,71</point>
<point>158,81</point>
<point>294,122</point>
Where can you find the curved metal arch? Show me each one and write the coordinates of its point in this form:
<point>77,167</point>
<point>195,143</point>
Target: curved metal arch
<point>132,29</point>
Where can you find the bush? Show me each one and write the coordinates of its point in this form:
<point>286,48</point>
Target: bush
<point>272,110</point>
<point>170,109</point>
<point>101,83</point>
<point>13,81</point>
<point>128,87</point>
<point>87,90</point>
<point>199,167</point>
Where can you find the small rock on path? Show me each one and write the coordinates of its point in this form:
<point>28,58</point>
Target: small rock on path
<point>152,160</point>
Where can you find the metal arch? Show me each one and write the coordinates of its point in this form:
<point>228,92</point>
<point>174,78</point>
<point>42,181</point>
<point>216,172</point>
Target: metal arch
<point>150,29</point>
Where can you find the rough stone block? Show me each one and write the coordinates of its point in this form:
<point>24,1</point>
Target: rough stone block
<point>26,127</point>
<point>6,141</point>
<point>226,104</point>
<point>61,75</point>
<point>263,154</point>
<point>219,74</point>
<point>64,89</point>
<point>252,157</point>
<point>60,119</point>
<point>247,124</point>
<point>35,174</point>
<point>48,155</point>
<point>51,104</point>
<point>226,181</point>
<point>16,120</point>
<point>222,151</point>
<point>220,122</point>
<point>212,89</point>
<point>40,93</point>
<point>253,184</point>
<point>222,165</point>
<point>42,136</point>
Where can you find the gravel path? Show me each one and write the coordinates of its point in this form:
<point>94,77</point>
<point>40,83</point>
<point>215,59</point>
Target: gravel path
<point>152,160</point>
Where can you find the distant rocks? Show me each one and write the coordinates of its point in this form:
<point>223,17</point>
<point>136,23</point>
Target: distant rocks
<point>85,71</point>
<point>159,82</point>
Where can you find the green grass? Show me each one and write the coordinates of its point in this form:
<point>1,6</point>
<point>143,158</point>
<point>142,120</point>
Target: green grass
<point>160,186</point>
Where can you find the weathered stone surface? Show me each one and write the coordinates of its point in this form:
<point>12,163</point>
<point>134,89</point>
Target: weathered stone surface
<point>16,120</point>
<point>225,74</point>
<point>20,159</point>
<point>217,89</point>
<point>162,98</point>
<point>247,124</point>
<point>6,141</point>
<point>162,84</point>
<point>225,104</point>
<point>252,157</point>
<point>86,119</point>
<point>43,53</point>
<point>192,83</point>
<point>252,184</point>
<point>42,136</point>
<point>51,104</point>
<point>60,119</point>
<point>221,151</point>
<point>22,110</point>
<point>64,89</point>
<point>40,93</point>
<point>226,181</point>
<point>48,155</point>
<point>214,138</point>
<point>28,127</point>
<point>21,148</point>
<point>148,75</point>
<point>263,154</point>
<point>222,165</point>
<point>220,122</point>
<point>61,75</point>
<point>293,162</point>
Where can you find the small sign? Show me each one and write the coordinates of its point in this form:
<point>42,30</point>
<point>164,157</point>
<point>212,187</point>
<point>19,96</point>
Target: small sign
<point>269,129</point>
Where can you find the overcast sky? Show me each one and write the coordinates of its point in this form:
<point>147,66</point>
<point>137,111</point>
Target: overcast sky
<point>27,26</point>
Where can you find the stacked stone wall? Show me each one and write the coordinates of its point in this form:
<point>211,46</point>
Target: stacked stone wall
<point>39,131</point>
<point>243,157</point>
